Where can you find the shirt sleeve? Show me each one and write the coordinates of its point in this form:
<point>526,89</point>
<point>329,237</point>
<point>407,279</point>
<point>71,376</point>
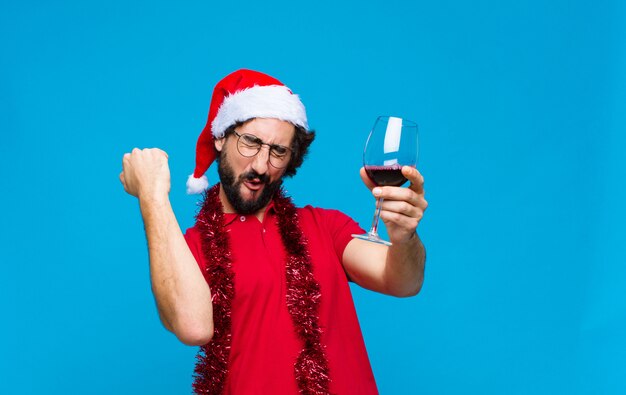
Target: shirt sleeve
<point>194,241</point>
<point>341,228</point>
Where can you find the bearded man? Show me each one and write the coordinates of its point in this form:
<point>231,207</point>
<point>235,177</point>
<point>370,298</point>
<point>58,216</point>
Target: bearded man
<point>260,285</point>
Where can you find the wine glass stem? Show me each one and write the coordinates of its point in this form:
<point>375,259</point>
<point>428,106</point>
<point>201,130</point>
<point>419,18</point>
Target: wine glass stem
<point>374,230</point>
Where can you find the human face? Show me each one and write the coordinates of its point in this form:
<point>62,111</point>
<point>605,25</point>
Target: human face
<point>249,183</point>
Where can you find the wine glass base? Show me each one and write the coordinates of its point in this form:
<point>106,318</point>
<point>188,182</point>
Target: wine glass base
<point>372,238</point>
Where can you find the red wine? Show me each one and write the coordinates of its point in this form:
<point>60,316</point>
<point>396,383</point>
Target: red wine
<point>386,175</point>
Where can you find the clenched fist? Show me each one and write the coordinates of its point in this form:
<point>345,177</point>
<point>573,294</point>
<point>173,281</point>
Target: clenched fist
<point>146,173</point>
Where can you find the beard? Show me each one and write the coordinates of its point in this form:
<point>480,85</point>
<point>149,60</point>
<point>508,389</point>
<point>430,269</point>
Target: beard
<point>232,187</point>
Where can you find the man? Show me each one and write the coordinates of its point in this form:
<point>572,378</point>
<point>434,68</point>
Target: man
<point>261,285</point>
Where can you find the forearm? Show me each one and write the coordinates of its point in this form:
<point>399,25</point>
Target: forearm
<point>182,295</point>
<point>404,267</point>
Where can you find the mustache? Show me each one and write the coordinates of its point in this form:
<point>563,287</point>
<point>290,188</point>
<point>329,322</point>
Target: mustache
<point>253,175</point>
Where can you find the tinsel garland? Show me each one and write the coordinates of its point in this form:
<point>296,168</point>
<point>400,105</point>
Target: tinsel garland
<point>303,297</point>
<point>212,365</point>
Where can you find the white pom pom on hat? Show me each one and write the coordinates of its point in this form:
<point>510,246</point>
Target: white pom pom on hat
<point>197,185</point>
<point>240,96</point>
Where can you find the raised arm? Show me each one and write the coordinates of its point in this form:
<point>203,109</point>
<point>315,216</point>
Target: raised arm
<point>397,270</point>
<point>182,295</point>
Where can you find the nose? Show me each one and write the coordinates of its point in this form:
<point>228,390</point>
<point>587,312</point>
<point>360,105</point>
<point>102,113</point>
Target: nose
<point>260,164</point>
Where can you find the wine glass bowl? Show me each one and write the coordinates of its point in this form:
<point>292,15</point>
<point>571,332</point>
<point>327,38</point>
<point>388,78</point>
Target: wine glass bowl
<point>391,144</point>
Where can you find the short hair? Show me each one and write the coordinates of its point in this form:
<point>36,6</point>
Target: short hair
<point>302,139</point>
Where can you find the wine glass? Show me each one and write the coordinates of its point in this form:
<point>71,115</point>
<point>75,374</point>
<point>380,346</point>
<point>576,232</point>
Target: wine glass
<point>391,144</point>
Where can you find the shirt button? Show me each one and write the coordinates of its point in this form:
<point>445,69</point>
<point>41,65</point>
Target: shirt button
<point>242,218</point>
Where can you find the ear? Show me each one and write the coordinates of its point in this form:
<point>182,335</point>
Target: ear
<point>219,143</point>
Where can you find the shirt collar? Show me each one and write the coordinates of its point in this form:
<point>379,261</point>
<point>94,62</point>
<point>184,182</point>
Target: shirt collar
<point>229,218</point>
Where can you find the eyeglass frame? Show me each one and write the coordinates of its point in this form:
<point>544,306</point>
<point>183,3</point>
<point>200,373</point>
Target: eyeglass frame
<point>261,143</point>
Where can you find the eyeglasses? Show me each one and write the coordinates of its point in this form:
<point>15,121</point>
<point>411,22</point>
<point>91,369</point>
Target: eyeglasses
<point>249,145</point>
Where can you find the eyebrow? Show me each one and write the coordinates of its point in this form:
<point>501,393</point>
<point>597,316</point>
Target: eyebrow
<point>288,146</point>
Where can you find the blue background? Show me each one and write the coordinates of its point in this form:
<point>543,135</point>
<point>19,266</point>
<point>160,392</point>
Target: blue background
<point>521,113</point>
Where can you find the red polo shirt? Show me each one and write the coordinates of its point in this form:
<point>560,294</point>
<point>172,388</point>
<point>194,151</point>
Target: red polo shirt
<point>264,343</point>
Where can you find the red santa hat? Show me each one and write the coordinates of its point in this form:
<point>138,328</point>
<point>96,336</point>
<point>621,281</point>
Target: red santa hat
<point>241,96</point>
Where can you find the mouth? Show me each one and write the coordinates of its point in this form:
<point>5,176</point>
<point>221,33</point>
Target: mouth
<point>254,184</point>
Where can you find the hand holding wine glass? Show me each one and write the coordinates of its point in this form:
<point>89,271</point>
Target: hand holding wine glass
<point>393,144</point>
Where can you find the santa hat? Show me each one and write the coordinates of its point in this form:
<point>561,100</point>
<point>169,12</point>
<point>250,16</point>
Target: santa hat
<point>240,96</point>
